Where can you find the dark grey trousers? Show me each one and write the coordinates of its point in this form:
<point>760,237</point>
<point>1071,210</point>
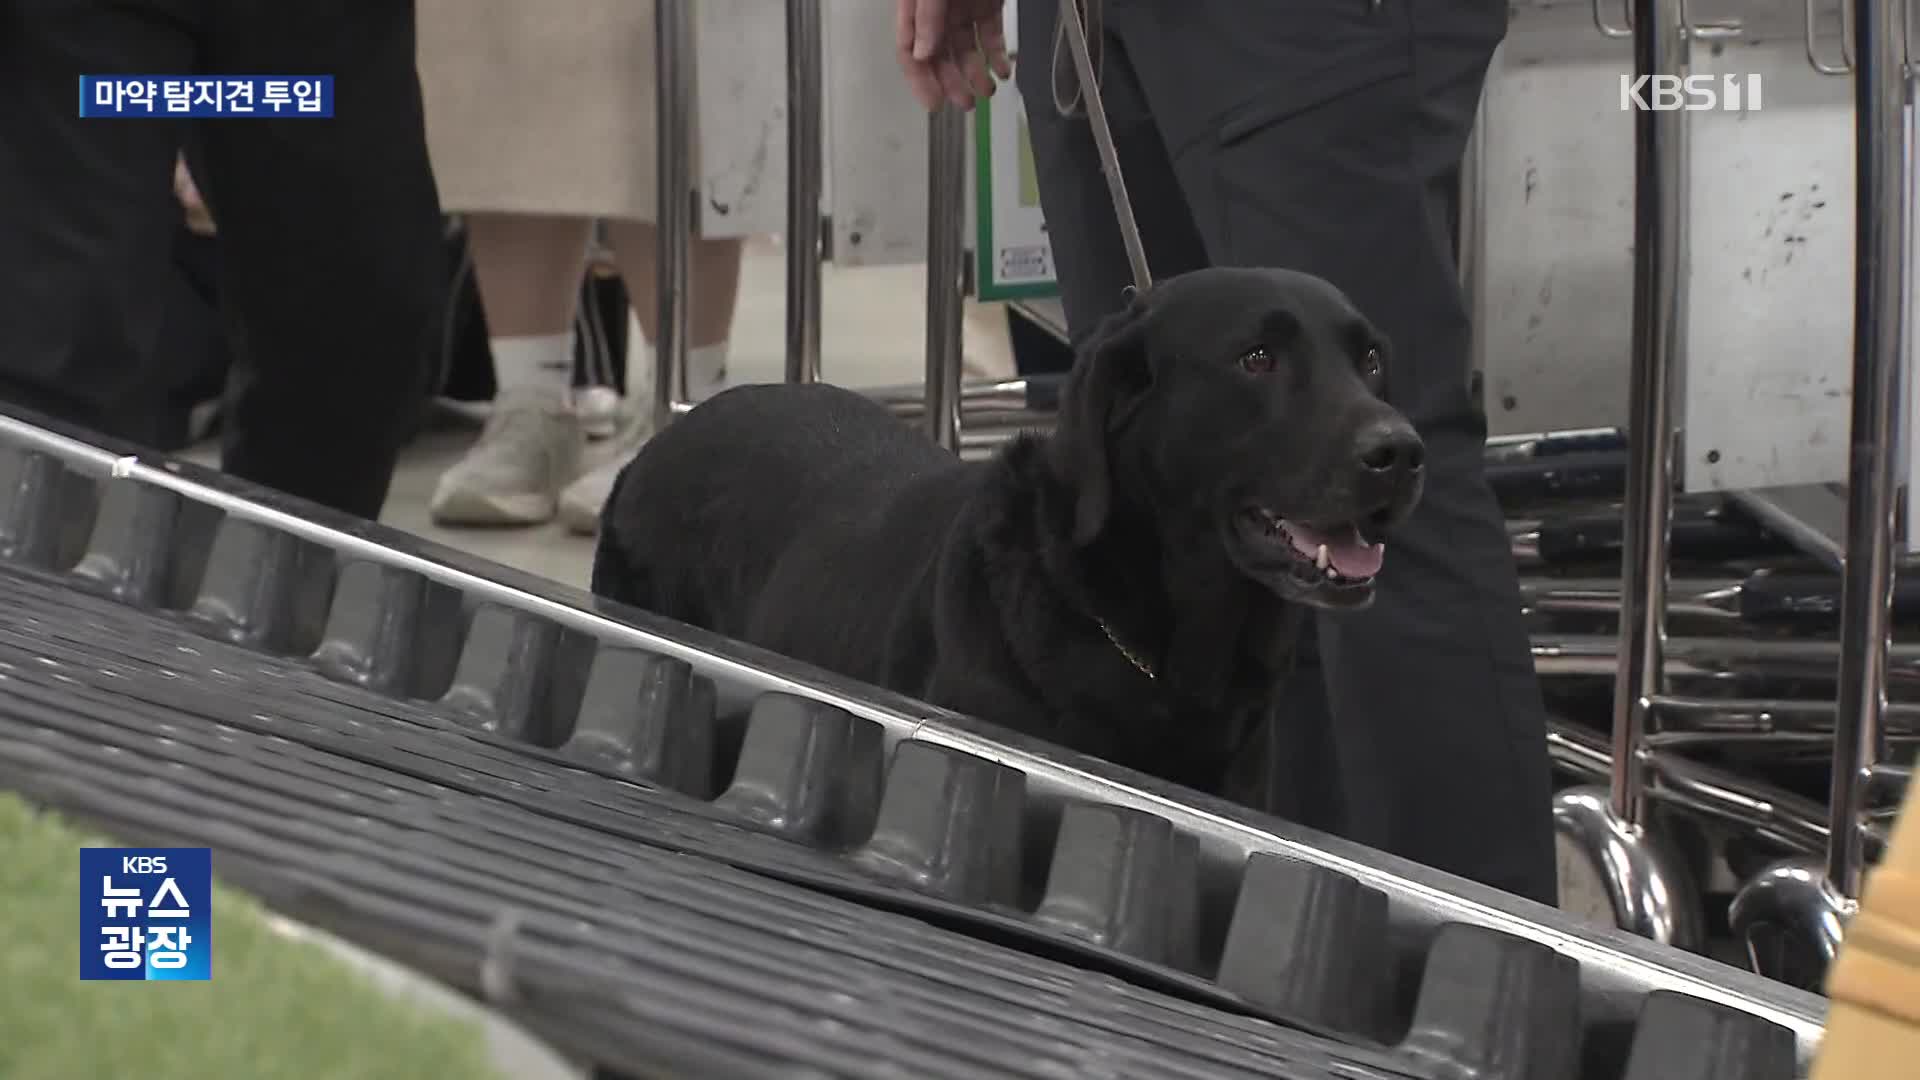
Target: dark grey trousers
<point>331,257</point>
<point>1326,136</point>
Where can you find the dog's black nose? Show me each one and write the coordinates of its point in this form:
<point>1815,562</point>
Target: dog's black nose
<point>1390,447</point>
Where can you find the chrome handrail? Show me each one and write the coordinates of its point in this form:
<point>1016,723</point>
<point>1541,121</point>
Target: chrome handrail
<point>1847,51</point>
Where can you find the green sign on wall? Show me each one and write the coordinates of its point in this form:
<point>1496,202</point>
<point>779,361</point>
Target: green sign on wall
<point>1014,260</point>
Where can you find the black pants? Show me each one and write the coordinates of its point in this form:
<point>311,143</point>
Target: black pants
<point>192,355</point>
<point>329,232</point>
<point>1035,349</point>
<point>1326,136</point>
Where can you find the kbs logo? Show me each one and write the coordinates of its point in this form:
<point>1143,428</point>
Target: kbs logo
<point>1692,93</point>
<point>146,914</point>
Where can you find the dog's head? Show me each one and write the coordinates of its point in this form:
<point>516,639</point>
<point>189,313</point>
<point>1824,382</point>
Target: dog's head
<point>1245,407</point>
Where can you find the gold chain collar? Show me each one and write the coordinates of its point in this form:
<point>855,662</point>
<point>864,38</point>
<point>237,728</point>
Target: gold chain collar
<point>1132,657</point>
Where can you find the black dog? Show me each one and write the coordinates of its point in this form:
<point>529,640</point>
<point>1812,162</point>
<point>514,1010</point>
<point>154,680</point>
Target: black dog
<point>1223,454</point>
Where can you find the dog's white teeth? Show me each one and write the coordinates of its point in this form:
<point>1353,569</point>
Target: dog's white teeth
<point>1321,559</point>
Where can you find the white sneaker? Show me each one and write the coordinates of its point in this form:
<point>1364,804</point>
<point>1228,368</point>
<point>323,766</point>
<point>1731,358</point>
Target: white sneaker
<point>582,500</point>
<point>530,447</point>
<point>600,410</point>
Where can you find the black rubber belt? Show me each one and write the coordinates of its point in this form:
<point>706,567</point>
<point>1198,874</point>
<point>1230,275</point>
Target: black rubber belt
<point>414,834</point>
<point>408,765</point>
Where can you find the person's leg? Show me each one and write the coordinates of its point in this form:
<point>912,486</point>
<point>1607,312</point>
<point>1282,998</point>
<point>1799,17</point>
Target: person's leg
<point>600,347</point>
<point>713,285</point>
<point>1035,350</point>
<point>529,268</point>
<point>1091,266</point>
<point>529,271</point>
<point>330,234</point>
<point>1322,141</point>
<point>192,354</point>
<point>87,214</point>
<point>1089,259</point>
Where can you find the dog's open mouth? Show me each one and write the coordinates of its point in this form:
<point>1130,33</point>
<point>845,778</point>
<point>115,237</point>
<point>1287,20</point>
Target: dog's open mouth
<point>1339,555</point>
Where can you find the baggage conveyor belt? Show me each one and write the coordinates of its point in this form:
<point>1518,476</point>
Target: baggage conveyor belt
<point>674,855</point>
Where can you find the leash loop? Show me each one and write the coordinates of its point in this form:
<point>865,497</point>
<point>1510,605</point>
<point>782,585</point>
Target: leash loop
<point>1074,24</point>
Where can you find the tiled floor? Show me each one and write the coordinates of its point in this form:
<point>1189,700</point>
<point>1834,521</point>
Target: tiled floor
<point>873,334</point>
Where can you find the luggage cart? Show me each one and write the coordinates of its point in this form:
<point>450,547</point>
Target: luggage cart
<point>1791,916</point>
<point>1795,912</point>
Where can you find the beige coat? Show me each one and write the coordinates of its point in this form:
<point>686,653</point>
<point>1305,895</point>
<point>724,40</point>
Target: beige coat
<point>540,106</point>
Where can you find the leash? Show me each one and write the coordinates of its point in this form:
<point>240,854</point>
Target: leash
<point>1074,25</point>
<point>1072,30</point>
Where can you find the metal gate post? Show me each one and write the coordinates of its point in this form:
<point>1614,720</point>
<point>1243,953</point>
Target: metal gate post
<point>946,270</point>
<point>804,171</point>
<point>1648,892</point>
<point>1792,915</point>
<point>674,99</point>
<point>1879,337</point>
<point>1660,178</point>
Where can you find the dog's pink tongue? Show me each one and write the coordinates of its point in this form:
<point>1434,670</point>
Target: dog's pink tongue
<point>1349,553</point>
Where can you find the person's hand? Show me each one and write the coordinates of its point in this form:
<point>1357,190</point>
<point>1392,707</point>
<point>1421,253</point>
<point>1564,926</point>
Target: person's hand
<point>199,219</point>
<point>951,50</point>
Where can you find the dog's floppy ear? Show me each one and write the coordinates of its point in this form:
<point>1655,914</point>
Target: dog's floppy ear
<point>1108,375</point>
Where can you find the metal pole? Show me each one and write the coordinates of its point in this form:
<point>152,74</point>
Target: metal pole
<point>946,257</point>
<point>1470,236</point>
<point>1879,316</point>
<point>1659,137</point>
<point>673,123</point>
<point>803,190</point>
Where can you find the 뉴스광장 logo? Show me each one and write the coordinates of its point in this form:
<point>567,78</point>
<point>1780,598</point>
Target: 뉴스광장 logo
<point>146,913</point>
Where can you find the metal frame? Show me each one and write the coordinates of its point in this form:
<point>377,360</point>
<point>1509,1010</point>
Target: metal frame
<point>1791,915</point>
<point>946,272</point>
<point>1469,248</point>
<point>944,399</point>
<point>805,181</point>
<point>677,216</point>
<point>675,45</point>
<point>1879,336</point>
<point>1644,880</point>
<point>1796,902</point>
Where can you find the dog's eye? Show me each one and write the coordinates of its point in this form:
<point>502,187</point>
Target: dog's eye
<point>1257,361</point>
<point>1370,363</point>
